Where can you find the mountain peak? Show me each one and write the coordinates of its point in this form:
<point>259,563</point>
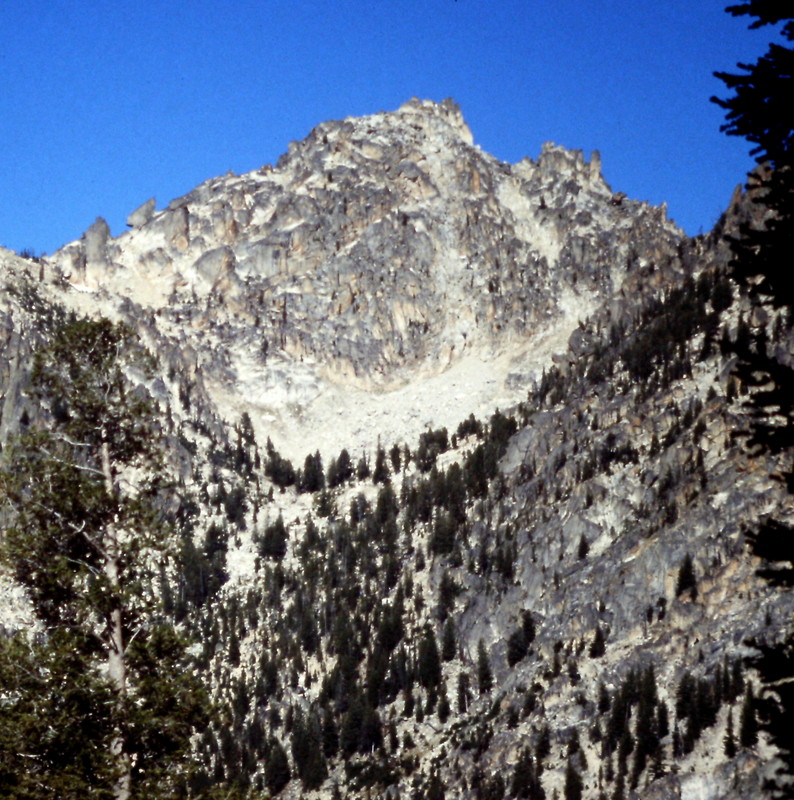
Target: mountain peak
<point>379,251</point>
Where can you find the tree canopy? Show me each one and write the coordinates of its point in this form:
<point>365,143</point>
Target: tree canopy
<point>87,539</point>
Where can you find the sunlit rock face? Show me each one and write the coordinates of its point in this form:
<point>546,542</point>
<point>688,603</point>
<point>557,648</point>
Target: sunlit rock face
<point>378,251</point>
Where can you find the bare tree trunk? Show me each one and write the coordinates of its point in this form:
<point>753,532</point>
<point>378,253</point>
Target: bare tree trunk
<point>117,666</point>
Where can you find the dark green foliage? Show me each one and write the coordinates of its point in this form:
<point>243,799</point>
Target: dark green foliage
<point>431,444</point>
<point>381,471</point>
<point>543,746</point>
<point>773,541</point>
<point>484,673</point>
<point>63,490</point>
<point>443,708</point>
<point>469,427</point>
<point>277,771</point>
<point>775,665</point>
<point>463,692</point>
<point>386,507</point>
<point>330,734</point>
<point>598,645</point>
<point>686,581</point>
<point>307,750</point>
<point>201,574</point>
<point>573,782</point>
<point>524,780</point>
<point>340,470</point>
<point>235,506</point>
<point>729,740</point>
<point>273,543</point>
<point>448,590</point>
<point>519,640</point>
<point>442,539</point>
<point>56,726</point>
<point>362,469</point>
<point>394,457</point>
<point>435,788</point>
<point>390,629</point>
<point>448,640</point>
<point>603,699</point>
<point>646,731</point>
<point>313,476</point>
<point>429,662</point>
<point>278,468</point>
<point>760,111</point>
<point>748,723</point>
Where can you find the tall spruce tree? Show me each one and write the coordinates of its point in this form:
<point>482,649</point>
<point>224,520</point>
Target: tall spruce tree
<point>85,538</point>
<point>760,110</point>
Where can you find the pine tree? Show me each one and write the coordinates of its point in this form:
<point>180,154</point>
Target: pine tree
<point>597,646</point>
<point>277,771</point>
<point>523,779</point>
<point>484,674</point>
<point>40,760</point>
<point>573,782</point>
<point>748,724</point>
<point>760,111</point>
<point>729,742</point>
<point>429,662</point>
<point>86,536</point>
<point>381,471</point>
<point>448,640</point>
<point>686,578</point>
<point>273,543</point>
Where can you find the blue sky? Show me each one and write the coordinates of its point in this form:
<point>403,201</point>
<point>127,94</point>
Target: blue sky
<point>104,104</point>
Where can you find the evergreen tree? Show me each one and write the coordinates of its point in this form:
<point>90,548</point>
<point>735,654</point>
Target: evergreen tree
<point>443,707</point>
<point>748,724</point>
<point>523,780</point>
<point>598,645</point>
<point>429,663</point>
<point>448,640</point>
<point>273,543</point>
<point>40,760</point>
<point>85,537</point>
<point>343,470</point>
<point>760,111</point>
<point>277,771</point>
<point>464,693</point>
<point>435,788</point>
<point>484,674</point>
<point>362,469</point>
<point>686,578</point>
<point>307,750</point>
<point>729,742</point>
<point>313,478</point>
<point>394,456</point>
<point>381,472</point>
<point>573,782</point>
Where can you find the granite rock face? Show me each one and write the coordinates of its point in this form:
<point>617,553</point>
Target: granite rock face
<point>142,214</point>
<point>377,250</point>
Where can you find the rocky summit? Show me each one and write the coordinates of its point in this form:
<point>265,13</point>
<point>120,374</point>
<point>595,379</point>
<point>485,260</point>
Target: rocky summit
<point>457,486</point>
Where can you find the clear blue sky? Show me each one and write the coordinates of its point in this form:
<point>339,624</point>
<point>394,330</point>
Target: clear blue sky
<point>106,103</point>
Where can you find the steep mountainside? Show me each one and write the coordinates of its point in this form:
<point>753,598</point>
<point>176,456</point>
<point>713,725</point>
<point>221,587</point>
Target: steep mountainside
<point>461,506</point>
